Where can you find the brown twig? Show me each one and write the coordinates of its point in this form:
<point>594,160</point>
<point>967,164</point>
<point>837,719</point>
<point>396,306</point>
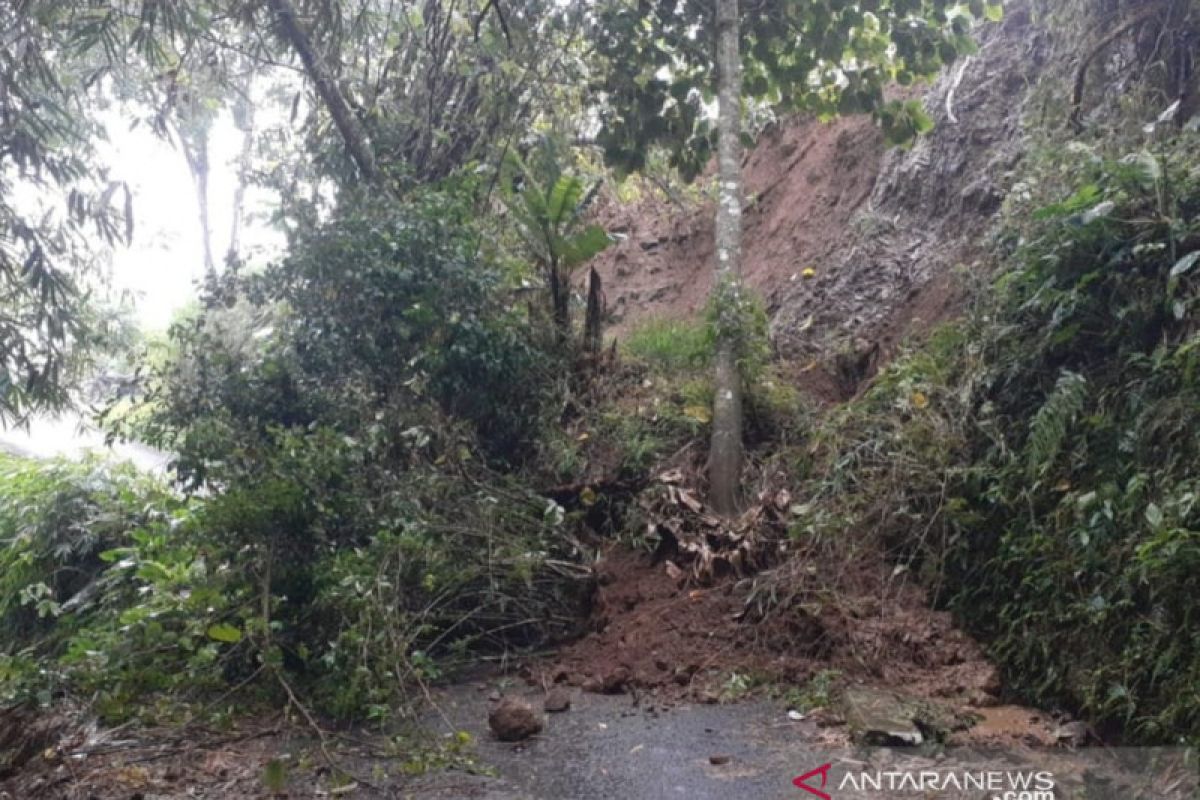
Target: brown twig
<point>322,736</point>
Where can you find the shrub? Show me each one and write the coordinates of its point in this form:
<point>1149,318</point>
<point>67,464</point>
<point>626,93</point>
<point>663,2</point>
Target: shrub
<point>1037,461</point>
<point>342,418</point>
<point>103,587</point>
<point>671,345</point>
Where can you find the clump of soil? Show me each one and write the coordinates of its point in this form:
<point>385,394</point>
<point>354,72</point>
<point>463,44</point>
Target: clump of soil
<point>514,719</point>
<point>651,634</point>
<point>648,633</point>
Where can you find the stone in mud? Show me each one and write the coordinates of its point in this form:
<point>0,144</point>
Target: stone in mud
<point>557,700</point>
<point>991,681</point>
<point>881,717</point>
<point>1073,734</point>
<point>616,680</point>
<point>514,719</point>
<point>592,684</point>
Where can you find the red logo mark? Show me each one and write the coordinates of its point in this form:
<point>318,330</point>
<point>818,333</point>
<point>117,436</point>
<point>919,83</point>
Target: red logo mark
<point>802,781</point>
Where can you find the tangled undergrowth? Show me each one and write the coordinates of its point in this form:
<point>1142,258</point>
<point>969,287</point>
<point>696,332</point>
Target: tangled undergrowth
<point>1034,464</point>
<point>348,518</point>
<point>367,494</point>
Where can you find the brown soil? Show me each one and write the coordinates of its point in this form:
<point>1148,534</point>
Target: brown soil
<point>655,636</point>
<point>887,234</point>
<point>804,182</point>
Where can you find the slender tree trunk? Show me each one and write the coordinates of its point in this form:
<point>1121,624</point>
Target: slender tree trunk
<point>560,299</point>
<point>244,117</point>
<point>202,171</point>
<point>593,327</point>
<point>347,124</point>
<point>725,455</point>
<point>195,150</point>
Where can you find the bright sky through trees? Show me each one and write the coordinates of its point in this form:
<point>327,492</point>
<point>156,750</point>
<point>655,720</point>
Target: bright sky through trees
<point>162,265</point>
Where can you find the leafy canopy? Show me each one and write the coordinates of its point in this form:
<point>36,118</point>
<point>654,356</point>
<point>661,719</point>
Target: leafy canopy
<point>826,57</point>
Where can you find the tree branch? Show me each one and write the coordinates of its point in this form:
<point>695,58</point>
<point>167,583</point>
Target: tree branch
<point>347,123</point>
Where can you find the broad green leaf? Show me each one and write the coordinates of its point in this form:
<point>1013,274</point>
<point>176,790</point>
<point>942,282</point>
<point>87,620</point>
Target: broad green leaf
<point>584,245</point>
<point>564,197</point>
<point>224,632</point>
<point>116,554</point>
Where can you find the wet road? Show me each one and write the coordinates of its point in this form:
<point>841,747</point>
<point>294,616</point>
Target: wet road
<point>605,747</point>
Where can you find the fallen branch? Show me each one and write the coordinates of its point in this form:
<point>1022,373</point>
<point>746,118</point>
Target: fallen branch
<point>322,736</point>
<point>953,88</point>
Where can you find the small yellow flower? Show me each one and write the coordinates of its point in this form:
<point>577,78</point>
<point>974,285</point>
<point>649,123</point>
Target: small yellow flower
<point>919,400</point>
<point>809,272</point>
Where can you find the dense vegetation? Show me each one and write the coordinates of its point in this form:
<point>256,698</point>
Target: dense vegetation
<point>394,451</point>
<point>1035,463</point>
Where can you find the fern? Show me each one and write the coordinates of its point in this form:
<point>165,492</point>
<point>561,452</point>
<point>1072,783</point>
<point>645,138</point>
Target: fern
<point>1053,420</point>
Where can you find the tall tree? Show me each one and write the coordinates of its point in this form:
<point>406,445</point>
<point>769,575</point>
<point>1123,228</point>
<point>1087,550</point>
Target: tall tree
<point>243,119</point>
<point>725,455</point>
<point>657,60</point>
<point>192,133</point>
<point>348,125</point>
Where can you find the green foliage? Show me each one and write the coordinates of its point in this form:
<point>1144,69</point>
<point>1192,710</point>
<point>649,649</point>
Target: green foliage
<point>376,321</point>
<point>57,208</point>
<point>1111,450</point>
<point>105,588</point>
<point>337,419</point>
<point>736,314</point>
<point>671,345</point>
<point>339,411</point>
<point>819,692</point>
<point>1036,463</point>
<point>451,571</point>
<point>55,521</point>
<point>824,58</point>
<point>1052,421</point>
<point>548,205</point>
<point>674,352</point>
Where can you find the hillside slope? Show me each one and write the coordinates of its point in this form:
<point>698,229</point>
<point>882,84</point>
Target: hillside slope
<point>882,230</point>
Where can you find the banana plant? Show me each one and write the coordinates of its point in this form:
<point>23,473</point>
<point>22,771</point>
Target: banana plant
<point>548,210</point>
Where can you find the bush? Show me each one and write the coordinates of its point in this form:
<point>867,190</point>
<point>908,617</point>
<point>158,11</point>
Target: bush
<point>452,572</point>
<point>1037,461</point>
<point>103,587</point>
<point>671,345</point>
<point>1088,434</point>
<point>341,418</point>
